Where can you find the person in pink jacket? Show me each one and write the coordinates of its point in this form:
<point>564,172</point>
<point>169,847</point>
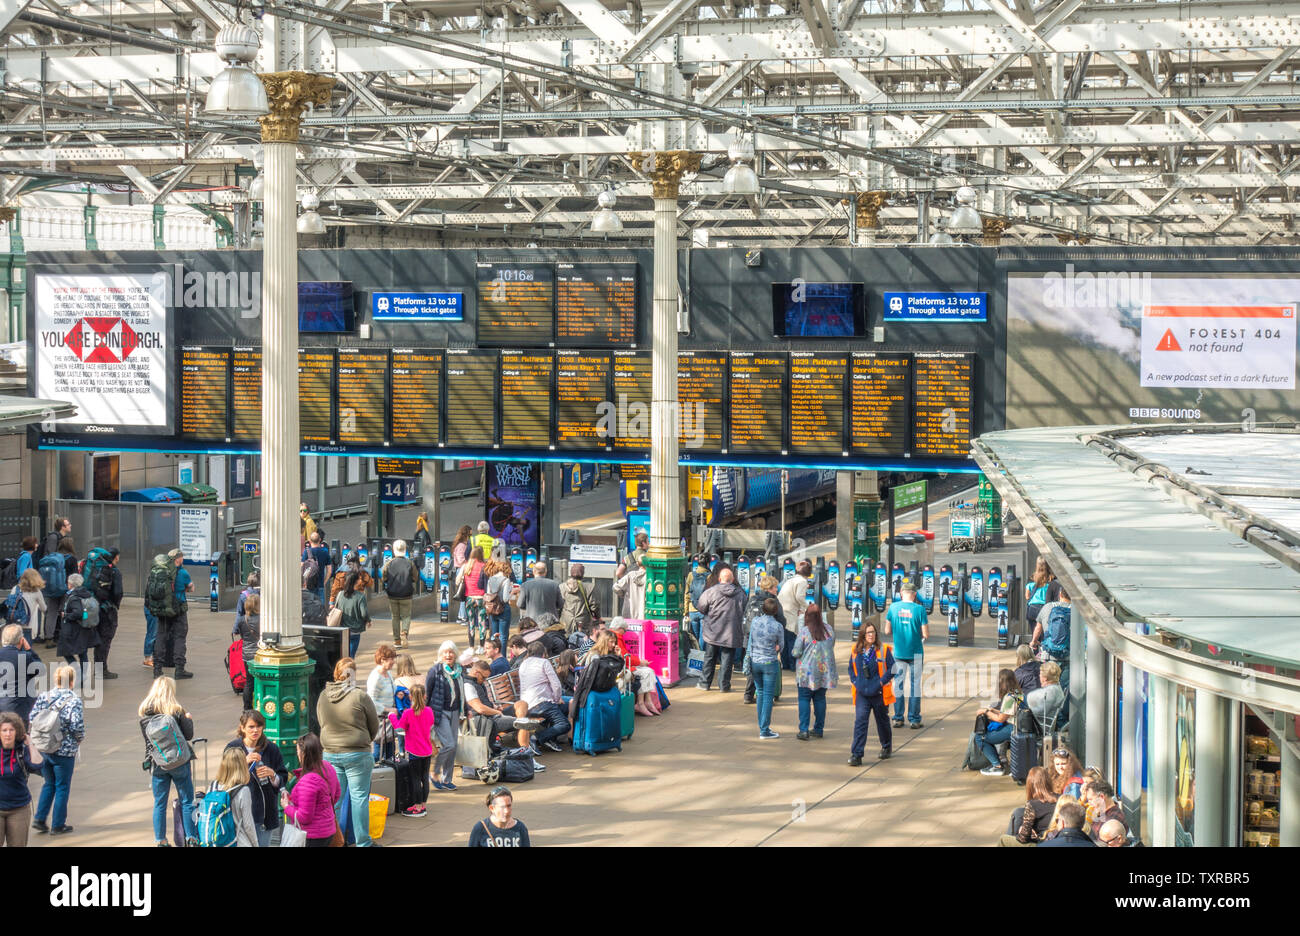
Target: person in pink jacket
<point>310,803</point>
<point>417,722</point>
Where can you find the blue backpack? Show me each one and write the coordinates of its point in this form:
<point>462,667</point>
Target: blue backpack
<point>1057,639</point>
<point>55,573</point>
<point>16,610</point>
<point>216,822</point>
<point>401,700</point>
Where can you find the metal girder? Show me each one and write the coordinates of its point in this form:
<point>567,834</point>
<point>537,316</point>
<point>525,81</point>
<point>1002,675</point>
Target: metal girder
<point>9,9</point>
<point>658,27</point>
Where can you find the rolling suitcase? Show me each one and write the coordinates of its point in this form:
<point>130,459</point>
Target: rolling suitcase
<point>178,821</point>
<point>1026,752</point>
<point>600,723</point>
<point>628,715</point>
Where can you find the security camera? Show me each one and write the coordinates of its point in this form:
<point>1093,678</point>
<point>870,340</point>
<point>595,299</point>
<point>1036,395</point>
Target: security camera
<point>257,8</point>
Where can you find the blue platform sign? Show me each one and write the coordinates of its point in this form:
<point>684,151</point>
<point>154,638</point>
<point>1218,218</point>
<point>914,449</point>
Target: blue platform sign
<point>936,307</point>
<point>417,307</point>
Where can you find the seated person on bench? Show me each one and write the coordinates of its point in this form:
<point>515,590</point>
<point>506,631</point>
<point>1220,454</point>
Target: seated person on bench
<point>502,721</point>
<point>539,687</point>
<point>645,687</point>
<point>516,651</point>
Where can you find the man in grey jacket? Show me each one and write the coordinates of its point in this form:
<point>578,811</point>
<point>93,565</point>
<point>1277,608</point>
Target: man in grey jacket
<point>723,607</point>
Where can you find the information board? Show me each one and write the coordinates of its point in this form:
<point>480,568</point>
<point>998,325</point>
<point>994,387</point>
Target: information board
<point>472,399</point>
<point>758,402</point>
<point>363,396</point>
<point>880,400</point>
<point>315,394</point>
<point>205,383</point>
<point>595,304</point>
<point>581,387</point>
<point>516,304</point>
<point>701,396</point>
<point>399,467</point>
<point>943,415</point>
<point>417,397</point>
<point>632,392</point>
<point>526,399</point>
<point>817,402</point>
<point>246,393</point>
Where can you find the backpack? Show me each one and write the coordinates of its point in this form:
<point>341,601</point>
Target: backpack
<point>160,591</point>
<point>698,581</point>
<point>401,700</point>
<point>55,573</point>
<point>47,728</point>
<point>554,642</point>
<point>165,742</point>
<point>97,570</point>
<point>9,575</point>
<point>1026,723</point>
<point>605,675</point>
<point>16,610</point>
<point>515,766</point>
<point>216,821</point>
<point>82,609</point>
<point>1056,641</point>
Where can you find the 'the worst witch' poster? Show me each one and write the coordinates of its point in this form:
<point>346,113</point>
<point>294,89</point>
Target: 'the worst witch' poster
<point>514,500</point>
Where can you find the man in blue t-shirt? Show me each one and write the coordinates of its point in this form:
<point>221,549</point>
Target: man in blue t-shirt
<point>905,621</point>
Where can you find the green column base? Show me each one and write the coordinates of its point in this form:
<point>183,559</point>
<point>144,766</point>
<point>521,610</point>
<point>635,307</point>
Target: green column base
<point>866,532</point>
<point>280,694</point>
<point>664,587</point>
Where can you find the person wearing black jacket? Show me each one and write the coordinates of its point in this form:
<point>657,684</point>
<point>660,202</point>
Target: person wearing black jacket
<point>1071,835</point>
<point>313,609</point>
<point>267,771</point>
<point>18,657</point>
<point>601,667</point>
<point>16,765</point>
<point>75,640</point>
<point>68,550</point>
<point>110,600</point>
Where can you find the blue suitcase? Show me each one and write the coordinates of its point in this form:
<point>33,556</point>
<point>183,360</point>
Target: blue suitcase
<point>600,723</point>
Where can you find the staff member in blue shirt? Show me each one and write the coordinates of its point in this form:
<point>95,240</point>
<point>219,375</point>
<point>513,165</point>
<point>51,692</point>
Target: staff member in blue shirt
<point>905,621</point>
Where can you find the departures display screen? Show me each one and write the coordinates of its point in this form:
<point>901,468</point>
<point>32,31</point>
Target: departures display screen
<point>516,304</point>
<point>814,407</point>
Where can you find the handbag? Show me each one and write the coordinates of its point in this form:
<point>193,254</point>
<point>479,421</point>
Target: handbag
<point>471,748</point>
<point>336,840</point>
<point>334,618</point>
<point>292,836</point>
<point>981,723</point>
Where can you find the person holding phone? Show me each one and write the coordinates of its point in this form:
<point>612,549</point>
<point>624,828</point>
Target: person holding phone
<point>267,772</point>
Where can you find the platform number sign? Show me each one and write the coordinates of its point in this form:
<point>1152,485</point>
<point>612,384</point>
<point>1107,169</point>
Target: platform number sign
<point>398,490</point>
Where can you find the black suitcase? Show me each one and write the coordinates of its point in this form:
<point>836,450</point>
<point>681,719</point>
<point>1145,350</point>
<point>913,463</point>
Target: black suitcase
<point>1026,752</point>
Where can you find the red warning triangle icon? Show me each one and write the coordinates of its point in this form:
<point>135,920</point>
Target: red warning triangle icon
<point>1168,342</point>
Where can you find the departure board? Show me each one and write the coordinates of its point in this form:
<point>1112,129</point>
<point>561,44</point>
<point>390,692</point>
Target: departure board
<point>526,399</point>
<point>943,415</point>
<point>363,396</point>
<point>581,386</point>
<point>417,396</point>
<point>633,390</point>
<point>315,394</point>
<point>516,304</point>
<point>595,304</point>
<point>757,410</point>
<point>246,393</point>
<point>701,394</point>
<point>205,379</point>
<point>880,396</point>
<point>817,402</point>
<point>471,399</point>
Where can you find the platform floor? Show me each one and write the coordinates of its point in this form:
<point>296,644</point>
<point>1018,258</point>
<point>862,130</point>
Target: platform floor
<point>697,775</point>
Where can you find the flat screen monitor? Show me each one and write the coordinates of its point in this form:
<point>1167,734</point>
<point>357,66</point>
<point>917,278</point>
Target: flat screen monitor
<point>326,646</point>
<point>325,307</point>
<point>818,310</point>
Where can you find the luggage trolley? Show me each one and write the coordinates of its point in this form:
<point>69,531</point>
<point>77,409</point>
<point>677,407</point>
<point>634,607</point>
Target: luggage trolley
<point>966,529</point>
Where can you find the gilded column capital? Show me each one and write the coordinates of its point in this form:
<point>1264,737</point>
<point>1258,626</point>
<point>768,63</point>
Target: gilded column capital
<point>7,214</point>
<point>868,207</point>
<point>993,228</point>
<point>289,93</point>
<point>666,169</point>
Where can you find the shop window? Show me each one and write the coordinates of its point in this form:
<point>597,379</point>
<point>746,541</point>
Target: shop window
<point>1261,783</point>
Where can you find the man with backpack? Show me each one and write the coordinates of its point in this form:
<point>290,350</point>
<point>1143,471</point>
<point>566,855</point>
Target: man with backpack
<point>317,553</point>
<point>55,567</point>
<point>79,625</point>
<point>104,579</point>
<point>14,569</point>
<point>50,545</point>
<point>1052,633</point>
<point>164,596</point>
<point>398,578</point>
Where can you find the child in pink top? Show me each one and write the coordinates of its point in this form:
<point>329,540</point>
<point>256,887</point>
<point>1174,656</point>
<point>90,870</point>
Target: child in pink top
<point>310,804</point>
<point>417,722</point>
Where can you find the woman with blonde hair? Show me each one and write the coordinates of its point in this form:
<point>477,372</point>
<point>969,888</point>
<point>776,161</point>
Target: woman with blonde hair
<point>496,601</point>
<point>444,689</point>
<point>348,724</point>
<point>57,767</point>
<point>473,574</point>
<point>232,780</point>
<point>406,675</point>
<point>28,589</point>
<point>161,700</point>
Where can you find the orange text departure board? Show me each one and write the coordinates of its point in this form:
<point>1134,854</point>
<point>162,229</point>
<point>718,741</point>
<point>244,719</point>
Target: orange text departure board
<point>757,395</point>
<point>471,398</point>
<point>943,410</point>
<point>632,394</point>
<point>363,396</point>
<point>880,385</point>
<point>526,399</point>
<point>595,304</point>
<point>205,381</point>
<point>817,407</point>
<point>315,394</point>
<point>581,387</point>
<point>417,396</point>
<point>701,397</point>
<point>246,393</point>
<point>516,304</point>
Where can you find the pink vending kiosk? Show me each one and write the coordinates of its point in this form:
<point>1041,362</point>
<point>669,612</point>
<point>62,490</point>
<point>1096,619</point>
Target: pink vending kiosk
<point>661,649</point>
